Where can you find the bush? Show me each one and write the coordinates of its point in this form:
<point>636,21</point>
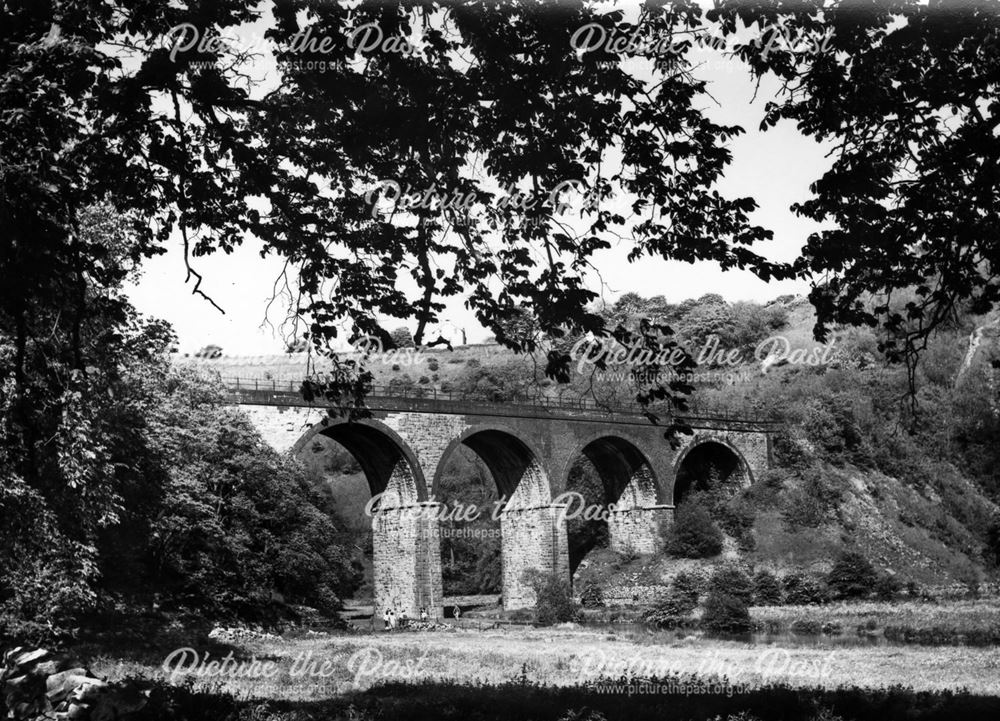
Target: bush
<point>553,598</point>
<point>766,589</point>
<point>806,627</point>
<point>402,338</point>
<point>433,365</point>
<point>887,587</point>
<point>813,502</point>
<point>747,543</point>
<point>852,576</point>
<point>802,590</point>
<point>830,423</point>
<point>733,581</point>
<point>592,596</point>
<point>736,517</point>
<point>687,587</point>
<point>677,604</point>
<point>725,614</point>
<point>693,533</point>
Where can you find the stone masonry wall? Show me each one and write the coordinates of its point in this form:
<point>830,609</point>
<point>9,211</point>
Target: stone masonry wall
<point>638,530</point>
<point>407,561</point>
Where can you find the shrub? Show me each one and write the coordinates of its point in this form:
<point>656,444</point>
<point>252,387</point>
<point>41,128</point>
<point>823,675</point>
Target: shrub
<point>553,598</point>
<point>725,614</point>
<point>887,587</point>
<point>735,517</point>
<point>806,627</point>
<point>693,533</point>
<point>802,590</point>
<point>402,338</point>
<point>766,589</point>
<point>832,628</point>
<point>592,596</point>
<point>812,502</point>
<point>830,423</point>
<point>688,587</point>
<point>678,602</point>
<point>432,365</point>
<point>852,576</point>
<point>788,451</point>
<point>733,581</point>
<point>747,543</point>
<point>627,553</point>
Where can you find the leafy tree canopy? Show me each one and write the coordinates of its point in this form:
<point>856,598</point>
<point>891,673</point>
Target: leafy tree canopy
<point>496,103</point>
<point>906,95</point>
<point>346,172</point>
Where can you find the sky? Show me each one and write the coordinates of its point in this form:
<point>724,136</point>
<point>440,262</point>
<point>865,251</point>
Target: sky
<point>775,167</point>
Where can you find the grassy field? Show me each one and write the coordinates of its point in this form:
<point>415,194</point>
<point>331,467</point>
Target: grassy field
<point>315,667</point>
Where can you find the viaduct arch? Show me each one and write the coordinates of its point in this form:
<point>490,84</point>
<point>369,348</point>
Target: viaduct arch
<point>406,444</point>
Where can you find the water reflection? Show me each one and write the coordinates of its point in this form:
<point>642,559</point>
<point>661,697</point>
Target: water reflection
<point>761,638</point>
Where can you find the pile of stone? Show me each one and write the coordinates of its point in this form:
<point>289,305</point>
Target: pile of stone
<point>429,626</point>
<point>34,688</point>
<point>238,635</point>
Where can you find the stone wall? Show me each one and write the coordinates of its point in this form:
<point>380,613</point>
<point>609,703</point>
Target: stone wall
<point>634,595</point>
<point>283,427</point>
<point>639,530</point>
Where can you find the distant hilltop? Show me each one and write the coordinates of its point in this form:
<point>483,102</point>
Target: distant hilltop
<point>295,366</point>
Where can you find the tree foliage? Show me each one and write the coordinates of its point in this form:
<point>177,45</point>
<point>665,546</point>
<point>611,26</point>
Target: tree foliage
<point>766,589</point>
<point>553,598</point>
<point>693,534</point>
<point>724,613</point>
<point>680,600</point>
<point>122,479</point>
<point>906,96</point>
<point>732,580</point>
<point>496,103</point>
<point>852,576</point>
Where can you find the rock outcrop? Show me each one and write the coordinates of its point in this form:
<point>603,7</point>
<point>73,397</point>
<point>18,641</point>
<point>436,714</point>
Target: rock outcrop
<point>35,687</point>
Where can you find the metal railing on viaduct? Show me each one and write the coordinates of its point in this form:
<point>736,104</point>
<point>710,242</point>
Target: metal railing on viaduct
<point>418,399</point>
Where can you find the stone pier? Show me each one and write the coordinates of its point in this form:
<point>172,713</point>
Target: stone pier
<point>534,539</point>
<point>407,547</point>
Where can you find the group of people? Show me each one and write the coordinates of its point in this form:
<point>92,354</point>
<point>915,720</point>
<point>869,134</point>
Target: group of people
<point>392,622</point>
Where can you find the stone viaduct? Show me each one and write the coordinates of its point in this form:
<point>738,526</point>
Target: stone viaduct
<point>404,447</point>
